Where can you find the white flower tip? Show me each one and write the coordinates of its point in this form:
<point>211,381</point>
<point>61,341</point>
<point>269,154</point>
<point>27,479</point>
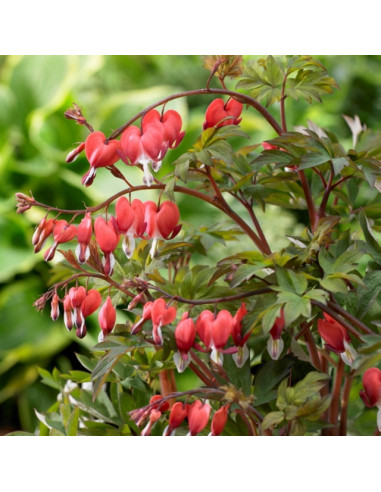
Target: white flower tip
<point>275,347</point>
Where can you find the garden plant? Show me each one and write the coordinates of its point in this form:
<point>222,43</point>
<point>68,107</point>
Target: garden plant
<point>271,341</point>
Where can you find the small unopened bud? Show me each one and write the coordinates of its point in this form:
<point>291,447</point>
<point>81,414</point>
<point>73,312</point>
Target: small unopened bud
<point>135,301</point>
<point>26,198</point>
<point>40,303</point>
<point>55,307</point>
<point>71,157</point>
<point>24,202</point>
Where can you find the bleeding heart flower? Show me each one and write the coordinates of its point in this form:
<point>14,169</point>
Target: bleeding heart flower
<point>108,239</point>
<point>161,222</point>
<point>218,111</point>
<point>240,341</point>
<point>129,221</point>
<point>91,302</point>
<point>84,234</point>
<point>62,233</point>
<point>77,295</point>
<point>171,123</point>
<point>198,417</point>
<point>179,412</point>
<point>143,148</point>
<point>214,333</point>
<point>100,153</point>
<point>107,318</point>
<point>219,421</point>
<point>161,315</point>
<point>275,343</point>
<point>185,334</point>
<point>336,338</point>
<point>147,313</point>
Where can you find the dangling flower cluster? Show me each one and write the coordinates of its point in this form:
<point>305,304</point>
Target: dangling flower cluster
<point>336,339</point>
<point>160,313</point>
<point>62,233</point>
<point>145,145</point>
<point>133,220</point>
<point>149,144</point>
<point>152,412</point>
<point>220,114</point>
<point>196,413</point>
<point>214,332</point>
<point>77,305</point>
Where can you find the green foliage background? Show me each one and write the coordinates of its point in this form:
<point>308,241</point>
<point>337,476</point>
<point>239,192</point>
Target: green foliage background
<point>34,141</point>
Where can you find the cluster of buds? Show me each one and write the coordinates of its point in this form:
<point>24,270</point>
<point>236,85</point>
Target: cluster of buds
<point>24,202</point>
<point>145,145</point>
<point>61,231</point>
<point>78,304</point>
<point>196,413</point>
<point>133,220</point>
<point>220,114</point>
<point>336,338</point>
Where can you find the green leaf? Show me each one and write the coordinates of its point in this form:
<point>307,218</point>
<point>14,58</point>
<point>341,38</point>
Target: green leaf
<point>240,377</point>
<point>272,419</point>
<point>264,79</point>
<point>72,424</point>
<point>368,294</point>
<point>333,284</point>
<point>313,160</point>
<point>268,377</point>
<point>339,163</point>
<point>294,306</point>
<point>373,248</point>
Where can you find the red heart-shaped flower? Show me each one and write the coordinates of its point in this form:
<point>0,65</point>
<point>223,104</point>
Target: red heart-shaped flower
<point>99,152</point>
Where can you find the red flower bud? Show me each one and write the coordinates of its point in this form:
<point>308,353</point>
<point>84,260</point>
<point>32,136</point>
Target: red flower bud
<point>179,412</point>
<point>185,334</point>
<point>108,239</point>
<point>219,421</point>
<point>371,395</point>
<point>71,157</point>
<point>107,317</point>
<point>55,307</point>
<point>198,417</point>
<point>41,234</point>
